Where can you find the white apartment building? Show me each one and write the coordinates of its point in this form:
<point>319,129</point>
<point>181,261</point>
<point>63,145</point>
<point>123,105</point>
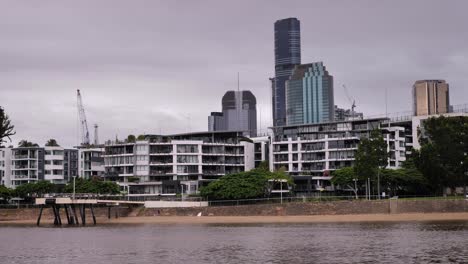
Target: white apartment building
<point>90,162</point>
<point>30,164</point>
<point>309,153</point>
<point>261,149</point>
<point>27,165</point>
<point>167,165</point>
<point>5,162</point>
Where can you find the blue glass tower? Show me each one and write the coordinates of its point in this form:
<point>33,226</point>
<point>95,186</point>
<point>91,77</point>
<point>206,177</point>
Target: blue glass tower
<point>287,55</point>
<point>309,95</point>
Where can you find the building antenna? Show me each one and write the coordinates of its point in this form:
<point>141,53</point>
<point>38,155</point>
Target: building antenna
<point>238,85</point>
<point>386,107</point>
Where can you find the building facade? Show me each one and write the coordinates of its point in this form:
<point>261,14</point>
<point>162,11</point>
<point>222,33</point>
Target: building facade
<point>31,164</point>
<point>216,122</point>
<point>309,153</point>
<point>167,165</point>
<point>239,114</point>
<point>5,162</point>
<point>287,56</point>
<point>342,114</point>
<point>431,97</point>
<point>309,95</point>
<point>27,165</point>
<point>90,162</point>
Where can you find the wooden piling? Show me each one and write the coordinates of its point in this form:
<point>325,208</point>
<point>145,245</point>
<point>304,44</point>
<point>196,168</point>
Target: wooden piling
<point>58,216</point>
<point>83,214</point>
<point>54,209</point>
<point>40,215</point>
<point>65,207</point>
<point>76,216</point>
<point>92,213</point>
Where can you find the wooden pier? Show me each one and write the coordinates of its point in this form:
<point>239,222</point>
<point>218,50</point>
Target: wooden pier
<point>72,206</point>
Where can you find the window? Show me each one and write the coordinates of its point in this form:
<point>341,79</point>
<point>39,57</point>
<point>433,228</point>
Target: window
<point>142,158</point>
<point>187,159</point>
<point>141,168</point>
<point>187,149</point>
<point>187,169</point>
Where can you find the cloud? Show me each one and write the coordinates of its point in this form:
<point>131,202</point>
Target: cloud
<point>163,66</point>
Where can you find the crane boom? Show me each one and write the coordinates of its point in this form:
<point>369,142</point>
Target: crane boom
<point>350,99</point>
<point>83,122</point>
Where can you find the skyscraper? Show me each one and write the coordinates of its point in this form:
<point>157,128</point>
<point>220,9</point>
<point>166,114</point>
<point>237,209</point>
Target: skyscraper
<point>309,95</point>
<point>239,113</point>
<point>430,97</point>
<point>287,55</point>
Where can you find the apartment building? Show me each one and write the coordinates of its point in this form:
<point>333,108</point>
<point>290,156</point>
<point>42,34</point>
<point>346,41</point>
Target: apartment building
<point>167,165</point>
<point>30,164</point>
<point>27,165</point>
<point>5,162</point>
<point>309,153</point>
<point>261,149</point>
<point>90,162</point>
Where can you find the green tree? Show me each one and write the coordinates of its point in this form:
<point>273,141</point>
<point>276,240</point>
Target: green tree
<point>442,157</point>
<point>141,137</point>
<point>34,189</point>
<point>131,139</point>
<point>6,128</point>
<point>371,156</point>
<point>27,144</point>
<point>5,193</point>
<point>93,185</point>
<point>52,143</point>
<point>243,185</point>
<point>346,177</point>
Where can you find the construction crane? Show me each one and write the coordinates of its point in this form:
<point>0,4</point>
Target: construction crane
<point>83,122</point>
<point>351,100</point>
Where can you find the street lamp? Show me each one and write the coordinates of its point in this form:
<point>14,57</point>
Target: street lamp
<point>74,187</point>
<point>128,192</point>
<point>355,187</point>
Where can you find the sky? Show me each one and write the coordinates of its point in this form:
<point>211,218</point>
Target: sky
<point>161,67</point>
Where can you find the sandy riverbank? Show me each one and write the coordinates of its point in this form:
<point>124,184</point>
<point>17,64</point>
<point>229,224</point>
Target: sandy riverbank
<point>267,219</point>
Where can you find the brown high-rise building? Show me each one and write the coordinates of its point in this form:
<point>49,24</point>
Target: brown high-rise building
<point>431,97</point>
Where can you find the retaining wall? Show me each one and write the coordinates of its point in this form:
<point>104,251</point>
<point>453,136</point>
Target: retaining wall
<point>318,208</point>
<point>296,208</point>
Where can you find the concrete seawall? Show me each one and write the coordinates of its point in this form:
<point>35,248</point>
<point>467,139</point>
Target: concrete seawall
<point>359,207</point>
<point>318,208</point>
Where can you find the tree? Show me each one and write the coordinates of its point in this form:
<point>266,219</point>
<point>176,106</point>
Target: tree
<point>5,193</point>
<point>442,157</point>
<point>131,139</point>
<point>34,189</point>
<point>141,137</point>
<point>6,128</point>
<point>26,144</point>
<point>371,156</point>
<point>93,185</point>
<point>264,165</point>
<point>242,185</point>
<point>52,143</point>
<point>346,177</point>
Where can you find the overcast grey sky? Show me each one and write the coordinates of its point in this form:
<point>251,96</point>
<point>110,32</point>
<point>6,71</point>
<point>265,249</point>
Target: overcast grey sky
<point>163,66</point>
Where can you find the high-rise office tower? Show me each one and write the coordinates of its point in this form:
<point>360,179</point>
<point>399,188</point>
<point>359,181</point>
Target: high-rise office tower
<point>309,95</point>
<point>430,97</point>
<point>216,122</point>
<point>239,113</point>
<point>287,55</point>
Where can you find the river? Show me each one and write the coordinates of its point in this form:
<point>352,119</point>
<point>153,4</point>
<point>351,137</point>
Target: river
<point>409,242</point>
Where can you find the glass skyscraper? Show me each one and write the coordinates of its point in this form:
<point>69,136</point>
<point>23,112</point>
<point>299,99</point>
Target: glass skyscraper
<point>287,55</point>
<point>309,95</point>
